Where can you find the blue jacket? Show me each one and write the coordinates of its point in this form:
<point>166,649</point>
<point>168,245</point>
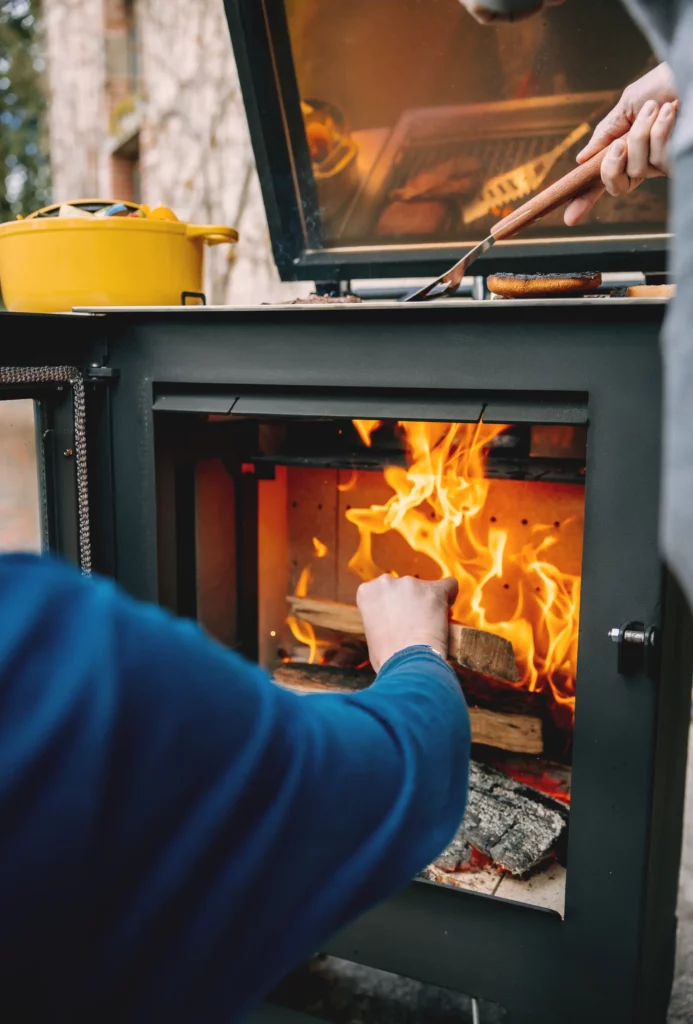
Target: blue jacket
<point>176,832</point>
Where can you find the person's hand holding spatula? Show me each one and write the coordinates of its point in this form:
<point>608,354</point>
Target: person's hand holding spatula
<point>646,113</point>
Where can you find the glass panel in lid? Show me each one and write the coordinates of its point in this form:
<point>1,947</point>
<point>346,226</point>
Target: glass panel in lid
<point>424,127</point>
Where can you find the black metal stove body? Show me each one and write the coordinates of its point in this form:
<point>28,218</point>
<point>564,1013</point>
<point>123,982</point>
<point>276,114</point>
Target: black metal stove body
<point>595,361</point>
<point>151,374</point>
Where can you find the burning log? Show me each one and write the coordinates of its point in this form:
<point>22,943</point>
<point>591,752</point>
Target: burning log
<point>519,732</point>
<point>473,649</point>
<point>296,675</point>
<point>515,826</point>
<point>460,855</point>
<point>503,716</point>
<point>549,777</point>
<point>342,618</point>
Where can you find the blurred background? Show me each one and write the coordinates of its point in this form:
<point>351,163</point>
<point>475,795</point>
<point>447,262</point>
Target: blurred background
<point>139,100</point>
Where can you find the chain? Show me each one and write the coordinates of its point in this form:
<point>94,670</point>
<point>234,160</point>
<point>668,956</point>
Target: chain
<point>23,375</point>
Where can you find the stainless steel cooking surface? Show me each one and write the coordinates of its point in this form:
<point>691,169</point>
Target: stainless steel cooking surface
<point>498,136</point>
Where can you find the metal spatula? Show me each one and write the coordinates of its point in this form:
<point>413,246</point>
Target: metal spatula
<point>572,185</point>
<point>520,181</point>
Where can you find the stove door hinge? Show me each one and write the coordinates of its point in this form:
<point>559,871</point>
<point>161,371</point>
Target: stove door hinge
<point>98,374</point>
<point>638,648</point>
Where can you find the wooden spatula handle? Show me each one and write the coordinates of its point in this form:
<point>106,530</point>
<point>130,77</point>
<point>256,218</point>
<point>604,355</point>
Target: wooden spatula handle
<point>562,191</point>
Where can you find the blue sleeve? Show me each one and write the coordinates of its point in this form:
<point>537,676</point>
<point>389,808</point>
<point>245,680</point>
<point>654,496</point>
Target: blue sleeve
<point>177,831</point>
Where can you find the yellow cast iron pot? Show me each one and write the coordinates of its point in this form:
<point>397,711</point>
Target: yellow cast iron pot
<point>51,264</point>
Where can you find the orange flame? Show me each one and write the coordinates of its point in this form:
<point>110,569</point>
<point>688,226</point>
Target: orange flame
<point>303,631</point>
<point>349,484</point>
<point>365,429</point>
<point>435,506</point>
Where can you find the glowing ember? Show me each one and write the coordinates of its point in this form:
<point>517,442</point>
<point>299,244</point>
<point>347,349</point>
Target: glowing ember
<point>544,784</point>
<point>365,429</point>
<point>476,862</point>
<point>435,506</point>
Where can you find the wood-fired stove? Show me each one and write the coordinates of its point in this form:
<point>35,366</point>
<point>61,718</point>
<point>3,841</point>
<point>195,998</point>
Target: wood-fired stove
<point>248,466</point>
<point>205,430</point>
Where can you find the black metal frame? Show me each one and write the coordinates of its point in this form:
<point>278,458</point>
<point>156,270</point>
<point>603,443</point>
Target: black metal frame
<point>599,963</point>
<point>270,93</point>
<point>611,960</point>
<point>47,341</point>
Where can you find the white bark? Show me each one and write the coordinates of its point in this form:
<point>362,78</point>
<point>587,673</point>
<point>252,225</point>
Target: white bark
<point>78,118</point>
<point>197,157</point>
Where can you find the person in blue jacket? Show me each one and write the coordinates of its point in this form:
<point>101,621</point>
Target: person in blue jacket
<point>176,832</point>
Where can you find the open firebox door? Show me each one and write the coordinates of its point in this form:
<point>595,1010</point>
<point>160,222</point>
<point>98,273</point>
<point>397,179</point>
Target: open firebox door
<point>337,500</point>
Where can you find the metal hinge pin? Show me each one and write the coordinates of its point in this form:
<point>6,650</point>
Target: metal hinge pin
<point>635,640</point>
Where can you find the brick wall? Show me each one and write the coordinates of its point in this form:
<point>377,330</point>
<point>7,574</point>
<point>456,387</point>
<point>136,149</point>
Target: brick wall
<point>178,106</point>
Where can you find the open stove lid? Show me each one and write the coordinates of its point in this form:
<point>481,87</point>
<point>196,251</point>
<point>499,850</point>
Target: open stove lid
<point>389,135</point>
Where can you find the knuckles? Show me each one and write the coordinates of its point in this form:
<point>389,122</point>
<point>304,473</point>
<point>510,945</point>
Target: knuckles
<point>383,586</point>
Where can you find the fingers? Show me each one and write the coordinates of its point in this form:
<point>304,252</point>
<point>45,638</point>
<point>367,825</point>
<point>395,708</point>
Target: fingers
<point>485,16</point>
<point>614,176</point>
<point>614,125</point>
<point>660,135</point>
<point>481,15</point>
<point>579,207</point>
<point>645,153</point>
<point>404,612</point>
<point>638,158</point>
<point>627,162</point>
<point>448,587</point>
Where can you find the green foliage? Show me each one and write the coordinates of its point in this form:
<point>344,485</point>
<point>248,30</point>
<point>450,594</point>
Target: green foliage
<point>23,150</point>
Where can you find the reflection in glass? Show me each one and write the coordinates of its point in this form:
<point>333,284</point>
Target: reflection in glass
<point>425,127</point>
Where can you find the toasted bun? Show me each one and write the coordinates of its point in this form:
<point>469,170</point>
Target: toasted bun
<point>651,291</point>
<point>520,286</point>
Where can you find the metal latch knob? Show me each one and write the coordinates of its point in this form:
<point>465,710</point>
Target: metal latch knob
<point>638,647</point>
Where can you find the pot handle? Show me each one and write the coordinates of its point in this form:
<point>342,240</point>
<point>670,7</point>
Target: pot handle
<point>212,234</point>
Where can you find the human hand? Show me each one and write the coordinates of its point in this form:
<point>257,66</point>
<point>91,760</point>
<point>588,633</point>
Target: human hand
<point>647,109</point>
<point>488,11</point>
<point>399,613</point>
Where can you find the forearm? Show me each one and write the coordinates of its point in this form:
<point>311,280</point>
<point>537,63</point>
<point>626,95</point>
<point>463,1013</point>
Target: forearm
<point>344,799</point>
<point>266,815</point>
<point>179,831</point>
<point>418,700</point>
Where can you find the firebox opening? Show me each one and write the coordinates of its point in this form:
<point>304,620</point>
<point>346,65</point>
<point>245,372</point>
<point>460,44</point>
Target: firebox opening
<point>274,523</point>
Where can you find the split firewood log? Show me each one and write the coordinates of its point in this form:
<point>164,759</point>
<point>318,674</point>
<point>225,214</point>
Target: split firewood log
<point>519,731</point>
<point>473,649</point>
